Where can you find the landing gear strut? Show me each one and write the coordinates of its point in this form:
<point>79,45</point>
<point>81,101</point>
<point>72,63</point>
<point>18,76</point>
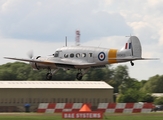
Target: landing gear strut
<point>132,64</point>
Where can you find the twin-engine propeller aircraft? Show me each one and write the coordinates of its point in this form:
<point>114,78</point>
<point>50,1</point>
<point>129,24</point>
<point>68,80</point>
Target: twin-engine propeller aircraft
<point>83,58</point>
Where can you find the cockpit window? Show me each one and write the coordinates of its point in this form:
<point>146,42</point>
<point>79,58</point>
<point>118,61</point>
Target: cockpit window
<point>56,54</point>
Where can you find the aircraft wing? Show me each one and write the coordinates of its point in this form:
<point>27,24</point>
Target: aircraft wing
<point>29,60</point>
<point>60,62</point>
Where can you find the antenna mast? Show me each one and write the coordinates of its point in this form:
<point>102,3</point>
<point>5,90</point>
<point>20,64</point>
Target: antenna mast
<point>66,41</point>
<point>77,38</point>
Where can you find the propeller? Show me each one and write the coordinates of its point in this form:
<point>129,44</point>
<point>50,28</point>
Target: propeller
<point>30,54</point>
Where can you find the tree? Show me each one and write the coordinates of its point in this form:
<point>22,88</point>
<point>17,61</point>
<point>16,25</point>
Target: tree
<point>153,85</point>
<point>7,75</point>
<point>146,97</point>
<point>129,83</point>
<point>120,75</point>
<point>158,101</point>
<point>23,71</point>
<point>134,95</point>
<point>14,71</point>
<point>131,95</point>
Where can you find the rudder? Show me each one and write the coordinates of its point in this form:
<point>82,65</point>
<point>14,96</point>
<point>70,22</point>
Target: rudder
<point>132,47</point>
<point>136,47</point>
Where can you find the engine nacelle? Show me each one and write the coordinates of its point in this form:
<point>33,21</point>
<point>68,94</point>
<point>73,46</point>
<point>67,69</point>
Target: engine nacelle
<point>38,66</point>
<point>34,65</point>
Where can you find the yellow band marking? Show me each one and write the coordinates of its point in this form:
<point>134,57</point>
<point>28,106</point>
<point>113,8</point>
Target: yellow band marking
<point>112,54</point>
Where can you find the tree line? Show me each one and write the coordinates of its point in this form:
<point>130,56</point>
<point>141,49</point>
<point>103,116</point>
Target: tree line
<point>128,89</point>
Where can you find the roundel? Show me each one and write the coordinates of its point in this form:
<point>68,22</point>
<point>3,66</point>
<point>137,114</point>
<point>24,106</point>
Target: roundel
<point>101,56</point>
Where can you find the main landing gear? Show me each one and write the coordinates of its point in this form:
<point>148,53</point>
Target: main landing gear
<point>80,74</point>
<point>50,74</point>
<point>132,64</point>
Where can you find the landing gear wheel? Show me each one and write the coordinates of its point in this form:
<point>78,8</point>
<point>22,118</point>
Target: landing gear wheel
<point>79,76</point>
<point>49,76</point>
<point>132,64</point>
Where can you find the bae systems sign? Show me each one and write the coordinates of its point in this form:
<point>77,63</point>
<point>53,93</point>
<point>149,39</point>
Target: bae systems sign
<point>97,115</point>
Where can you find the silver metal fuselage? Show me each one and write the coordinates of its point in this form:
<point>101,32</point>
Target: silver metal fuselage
<point>81,57</point>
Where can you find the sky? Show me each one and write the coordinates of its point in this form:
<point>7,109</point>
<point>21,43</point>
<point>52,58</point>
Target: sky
<point>41,26</point>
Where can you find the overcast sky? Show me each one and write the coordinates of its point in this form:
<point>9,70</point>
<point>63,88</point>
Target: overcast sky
<point>41,26</point>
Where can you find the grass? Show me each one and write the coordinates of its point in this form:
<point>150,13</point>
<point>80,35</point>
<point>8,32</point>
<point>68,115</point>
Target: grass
<point>137,116</point>
<point>36,116</point>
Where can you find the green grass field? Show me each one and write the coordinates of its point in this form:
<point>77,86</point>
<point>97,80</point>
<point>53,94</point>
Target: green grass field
<point>36,116</point>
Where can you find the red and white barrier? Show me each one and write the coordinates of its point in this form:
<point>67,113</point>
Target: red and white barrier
<point>102,107</point>
<point>125,107</point>
<point>59,107</point>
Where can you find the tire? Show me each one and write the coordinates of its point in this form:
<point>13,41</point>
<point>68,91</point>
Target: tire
<point>48,76</point>
<point>79,76</point>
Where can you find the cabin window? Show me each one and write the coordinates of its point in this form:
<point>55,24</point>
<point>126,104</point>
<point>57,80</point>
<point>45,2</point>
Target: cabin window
<point>38,100</point>
<point>22,100</point>
<point>66,100</point>
<point>78,55</point>
<point>58,100</point>
<point>54,100</point>
<point>70,100</point>
<point>2,100</point>
<point>62,100</point>
<point>74,101</point>
<point>56,54</point>
<point>90,54</point>
<point>14,100</point>
<point>6,100</point>
<point>106,100</point>
<point>84,55</point>
<point>71,55</point>
<point>66,55</point>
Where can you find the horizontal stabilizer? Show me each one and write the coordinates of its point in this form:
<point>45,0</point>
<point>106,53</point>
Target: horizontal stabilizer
<point>149,59</point>
<point>133,58</point>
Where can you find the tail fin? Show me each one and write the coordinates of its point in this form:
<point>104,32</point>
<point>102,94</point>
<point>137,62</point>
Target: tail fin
<point>133,47</point>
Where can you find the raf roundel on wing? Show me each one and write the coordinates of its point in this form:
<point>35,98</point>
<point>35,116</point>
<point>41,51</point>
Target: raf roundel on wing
<point>101,56</point>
